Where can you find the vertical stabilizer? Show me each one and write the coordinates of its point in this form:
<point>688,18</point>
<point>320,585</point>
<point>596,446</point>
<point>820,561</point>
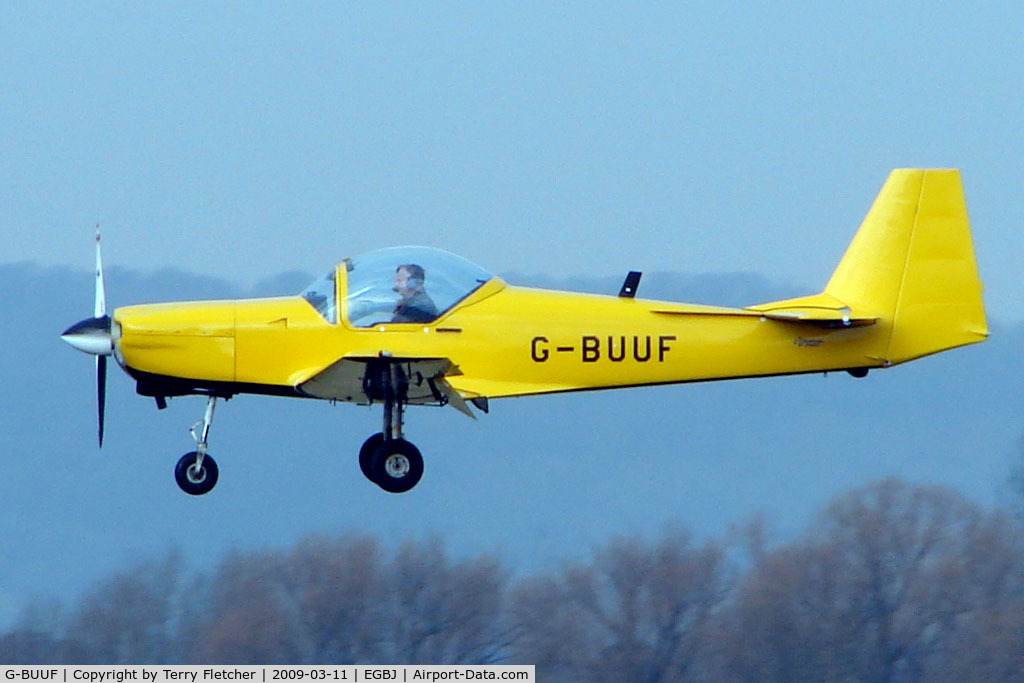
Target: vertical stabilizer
<point>912,265</point>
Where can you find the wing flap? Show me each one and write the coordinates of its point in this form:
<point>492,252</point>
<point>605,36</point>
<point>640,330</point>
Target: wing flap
<point>346,380</point>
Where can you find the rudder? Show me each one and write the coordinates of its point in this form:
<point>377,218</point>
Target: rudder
<point>912,264</point>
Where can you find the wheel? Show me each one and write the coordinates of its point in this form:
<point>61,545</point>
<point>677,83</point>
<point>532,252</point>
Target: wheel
<point>366,455</point>
<point>397,466</point>
<point>192,482</point>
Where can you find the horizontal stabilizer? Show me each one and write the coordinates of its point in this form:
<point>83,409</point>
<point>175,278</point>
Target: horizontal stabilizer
<point>820,309</point>
<point>665,308</point>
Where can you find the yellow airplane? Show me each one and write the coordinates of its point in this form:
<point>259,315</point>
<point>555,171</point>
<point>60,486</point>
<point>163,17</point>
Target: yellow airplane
<point>413,326</point>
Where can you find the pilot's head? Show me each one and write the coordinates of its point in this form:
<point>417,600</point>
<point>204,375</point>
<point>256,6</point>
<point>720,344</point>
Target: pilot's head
<point>408,279</point>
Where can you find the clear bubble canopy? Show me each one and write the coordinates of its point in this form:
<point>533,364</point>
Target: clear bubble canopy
<point>386,284</point>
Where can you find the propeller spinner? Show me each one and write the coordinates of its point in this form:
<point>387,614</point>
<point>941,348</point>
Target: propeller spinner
<point>93,336</point>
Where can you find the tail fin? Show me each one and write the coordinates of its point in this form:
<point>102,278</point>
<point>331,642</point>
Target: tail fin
<point>912,265</point>
<point>909,272</point>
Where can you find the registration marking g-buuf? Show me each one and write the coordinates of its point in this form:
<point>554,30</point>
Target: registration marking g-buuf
<point>614,348</point>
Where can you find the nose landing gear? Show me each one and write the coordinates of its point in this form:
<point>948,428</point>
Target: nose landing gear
<point>196,471</point>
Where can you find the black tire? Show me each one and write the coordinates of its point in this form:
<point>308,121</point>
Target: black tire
<point>370,447</point>
<point>184,474</point>
<point>397,466</point>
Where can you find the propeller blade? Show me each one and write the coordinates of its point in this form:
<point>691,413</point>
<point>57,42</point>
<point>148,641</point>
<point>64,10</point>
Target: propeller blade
<point>101,391</point>
<point>100,309</point>
<point>93,336</point>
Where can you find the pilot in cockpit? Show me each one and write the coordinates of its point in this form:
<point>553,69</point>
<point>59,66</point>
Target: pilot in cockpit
<point>414,305</point>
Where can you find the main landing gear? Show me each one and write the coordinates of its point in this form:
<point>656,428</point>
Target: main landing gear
<point>387,459</point>
<point>196,472</point>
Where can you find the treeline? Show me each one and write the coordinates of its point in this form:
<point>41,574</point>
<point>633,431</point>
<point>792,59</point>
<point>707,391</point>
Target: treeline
<point>892,582</point>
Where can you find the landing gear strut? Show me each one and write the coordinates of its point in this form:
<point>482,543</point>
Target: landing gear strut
<point>387,459</point>
<point>196,471</point>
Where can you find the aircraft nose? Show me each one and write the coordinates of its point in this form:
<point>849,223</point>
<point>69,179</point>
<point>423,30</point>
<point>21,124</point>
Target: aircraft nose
<point>91,335</point>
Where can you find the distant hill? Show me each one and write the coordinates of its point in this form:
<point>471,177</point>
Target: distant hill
<point>538,481</point>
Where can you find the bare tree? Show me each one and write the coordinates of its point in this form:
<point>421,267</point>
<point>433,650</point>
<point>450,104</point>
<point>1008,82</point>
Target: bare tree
<point>639,612</point>
<point>986,639</point>
<point>319,603</point>
<point>988,646</point>
<point>337,590</point>
<point>553,633</point>
<point>1015,482</point>
<point>443,612</point>
<point>37,636</point>
<point>130,616</point>
<point>23,645</point>
<point>876,592</point>
<point>892,582</point>
<point>248,619</point>
<point>342,601</point>
<point>788,622</point>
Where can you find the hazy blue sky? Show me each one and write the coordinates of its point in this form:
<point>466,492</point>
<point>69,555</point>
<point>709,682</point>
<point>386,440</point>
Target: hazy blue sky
<point>554,140</point>
<point>245,139</point>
